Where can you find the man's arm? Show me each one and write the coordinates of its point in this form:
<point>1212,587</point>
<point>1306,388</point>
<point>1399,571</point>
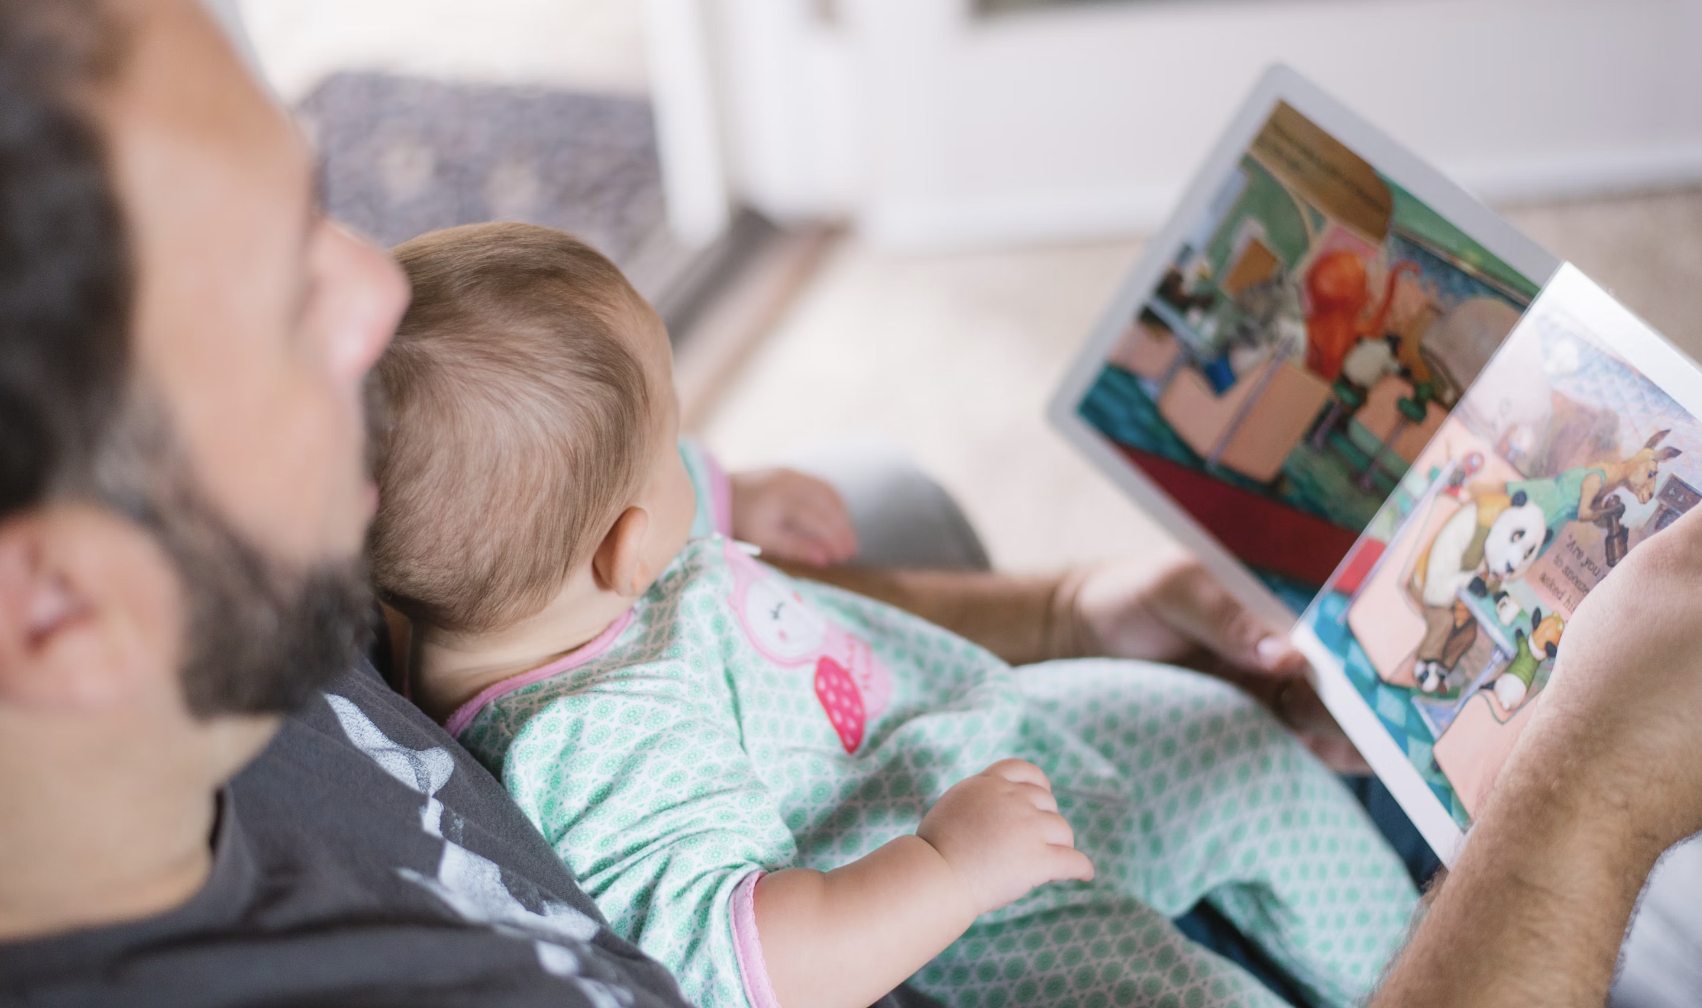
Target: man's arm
<point>1608,775</point>
<point>1021,619</point>
<point>1158,609</point>
<point>1534,911</point>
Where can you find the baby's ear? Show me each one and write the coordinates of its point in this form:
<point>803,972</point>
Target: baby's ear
<point>618,565</point>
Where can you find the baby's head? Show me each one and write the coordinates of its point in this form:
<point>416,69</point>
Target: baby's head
<point>529,449</point>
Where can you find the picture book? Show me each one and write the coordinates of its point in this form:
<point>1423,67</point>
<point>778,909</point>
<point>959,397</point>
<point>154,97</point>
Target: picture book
<point>1434,639</point>
<point>1292,339</point>
<point>1387,420</point>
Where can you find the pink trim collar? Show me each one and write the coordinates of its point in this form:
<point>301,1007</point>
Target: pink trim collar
<point>465,714</point>
<point>720,495</point>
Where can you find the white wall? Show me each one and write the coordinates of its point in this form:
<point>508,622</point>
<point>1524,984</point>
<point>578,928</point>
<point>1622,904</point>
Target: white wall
<point>928,127</point>
<point>592,44</point>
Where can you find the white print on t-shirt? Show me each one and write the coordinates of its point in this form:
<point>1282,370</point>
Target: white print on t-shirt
<point>469,884</point>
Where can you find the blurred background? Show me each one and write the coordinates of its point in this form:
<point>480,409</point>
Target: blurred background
<point>900,218</point>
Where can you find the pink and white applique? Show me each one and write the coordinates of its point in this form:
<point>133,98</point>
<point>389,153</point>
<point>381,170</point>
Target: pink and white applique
<point>844,704</point>
<point>853,686</point>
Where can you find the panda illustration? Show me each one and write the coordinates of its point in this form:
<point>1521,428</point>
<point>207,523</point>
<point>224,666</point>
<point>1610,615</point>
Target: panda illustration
<point>1493,538</point>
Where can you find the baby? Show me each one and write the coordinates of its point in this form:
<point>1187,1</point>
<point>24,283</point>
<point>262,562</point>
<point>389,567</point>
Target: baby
<point>792,795</point>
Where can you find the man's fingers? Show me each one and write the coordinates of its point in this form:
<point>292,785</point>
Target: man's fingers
<point>1297,704</point>
<point>1338,753</point>
<point>1327,741</point>
<point>1275,653</point>
<point>1200,608</point>
<point>1247,640</point>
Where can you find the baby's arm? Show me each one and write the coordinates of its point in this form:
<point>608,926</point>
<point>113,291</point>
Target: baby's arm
<point>844,938</point>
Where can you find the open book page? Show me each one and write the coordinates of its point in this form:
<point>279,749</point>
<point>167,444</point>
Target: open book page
<point>1434,639</point>
<point>1298,335</point>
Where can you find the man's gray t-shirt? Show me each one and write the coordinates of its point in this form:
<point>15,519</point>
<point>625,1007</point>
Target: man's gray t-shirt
<point>363,858</point>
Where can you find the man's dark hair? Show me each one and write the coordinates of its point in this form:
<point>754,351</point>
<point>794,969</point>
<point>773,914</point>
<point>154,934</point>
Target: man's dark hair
<point>78,422</point>
<point>65,280</point>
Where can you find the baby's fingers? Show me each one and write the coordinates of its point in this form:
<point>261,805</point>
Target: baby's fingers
<point>820,545</point>
<point>1056,831</point>
<point>821,514</point>
<point>1064,862</point>
<point>1042,799</point>
<point>790,543</point>
<point>1020,772</point>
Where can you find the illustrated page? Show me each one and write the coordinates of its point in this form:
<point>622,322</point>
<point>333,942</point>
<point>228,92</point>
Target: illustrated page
<point>1312,332</point>
<point>1438,632</point>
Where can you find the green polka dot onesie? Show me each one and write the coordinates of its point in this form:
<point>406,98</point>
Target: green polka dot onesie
<point>737,721</point>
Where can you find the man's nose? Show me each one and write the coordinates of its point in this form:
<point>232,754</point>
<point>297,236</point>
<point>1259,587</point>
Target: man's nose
<point>376,295</point>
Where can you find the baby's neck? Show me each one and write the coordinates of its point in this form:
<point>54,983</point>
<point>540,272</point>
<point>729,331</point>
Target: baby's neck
<point>449,669</point>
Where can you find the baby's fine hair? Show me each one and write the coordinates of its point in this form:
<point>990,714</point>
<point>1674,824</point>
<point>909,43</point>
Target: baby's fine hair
<point>517,426</point>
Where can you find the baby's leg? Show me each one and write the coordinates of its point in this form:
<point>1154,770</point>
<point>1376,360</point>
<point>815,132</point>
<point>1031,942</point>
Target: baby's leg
<point>1114,952</point>
<point>1181,788</point>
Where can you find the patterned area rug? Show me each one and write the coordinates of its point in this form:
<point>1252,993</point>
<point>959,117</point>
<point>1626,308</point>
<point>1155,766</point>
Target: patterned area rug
<point>402,156</point>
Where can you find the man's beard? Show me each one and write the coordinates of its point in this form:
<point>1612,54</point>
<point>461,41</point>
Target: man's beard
<point>261,635</point>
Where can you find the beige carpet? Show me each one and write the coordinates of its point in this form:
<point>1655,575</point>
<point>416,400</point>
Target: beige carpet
<point>954,357</point>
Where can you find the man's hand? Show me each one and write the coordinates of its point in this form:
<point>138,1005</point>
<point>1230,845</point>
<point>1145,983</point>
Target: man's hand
<point>1177,612</point>
<point>792,517</point>
<point>1001,833</point>
<point>1621,719</point>
<point>1607,776</point>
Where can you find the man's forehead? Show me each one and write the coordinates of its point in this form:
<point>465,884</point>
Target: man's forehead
<point>216,186</point>
<point>182,91</point>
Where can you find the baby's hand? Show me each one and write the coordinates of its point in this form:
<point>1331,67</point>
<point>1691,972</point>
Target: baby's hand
<point>792,517</point>
<point>1001,833</point>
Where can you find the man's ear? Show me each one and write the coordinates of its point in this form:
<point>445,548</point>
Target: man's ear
<point>89,611</point>
<point>618,565</point>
